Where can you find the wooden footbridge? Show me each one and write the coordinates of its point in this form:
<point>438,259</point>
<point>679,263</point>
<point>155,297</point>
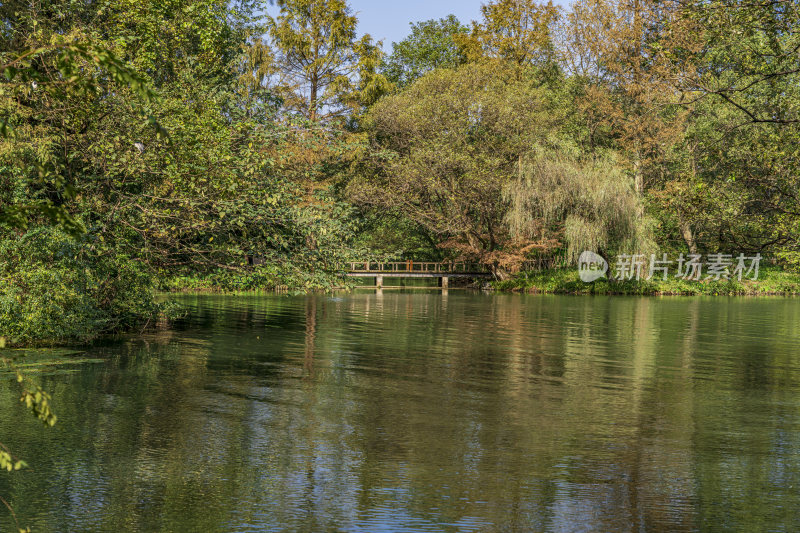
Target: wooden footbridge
<point>417,269</point>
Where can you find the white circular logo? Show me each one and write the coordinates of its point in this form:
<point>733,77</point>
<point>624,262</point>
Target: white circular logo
<point>591,267</point>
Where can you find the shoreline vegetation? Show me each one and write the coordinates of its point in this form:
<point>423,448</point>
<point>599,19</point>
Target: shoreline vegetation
<point>124,300</point>
<point>565,281</point>
<point>771,282</point>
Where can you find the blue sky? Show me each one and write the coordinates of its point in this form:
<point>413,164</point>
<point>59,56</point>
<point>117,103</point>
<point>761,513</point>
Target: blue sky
<point>389,19</point>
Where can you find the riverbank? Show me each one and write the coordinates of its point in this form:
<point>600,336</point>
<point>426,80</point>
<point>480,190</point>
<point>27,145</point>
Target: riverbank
<point>566,281</point>
<point>61,324</point>
<point>261,278</point>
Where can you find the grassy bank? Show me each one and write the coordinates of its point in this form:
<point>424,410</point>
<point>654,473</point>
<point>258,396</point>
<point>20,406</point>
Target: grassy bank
<point>566,281</point>
<point>261,278</point>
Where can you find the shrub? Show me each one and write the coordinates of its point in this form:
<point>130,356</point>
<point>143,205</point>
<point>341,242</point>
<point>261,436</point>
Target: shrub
<point>55,289</point>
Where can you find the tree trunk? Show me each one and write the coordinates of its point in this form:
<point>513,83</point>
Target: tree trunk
<point>312,104</point>
<point>500,273</point>
<point>688,236</point>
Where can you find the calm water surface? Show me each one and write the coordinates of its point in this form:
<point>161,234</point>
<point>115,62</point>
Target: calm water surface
<point>418,411</point>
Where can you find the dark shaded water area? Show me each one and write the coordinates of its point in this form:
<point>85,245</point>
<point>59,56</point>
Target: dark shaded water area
<point>422,411</point>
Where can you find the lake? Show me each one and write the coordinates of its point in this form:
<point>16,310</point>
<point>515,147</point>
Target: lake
<point>415,410</point>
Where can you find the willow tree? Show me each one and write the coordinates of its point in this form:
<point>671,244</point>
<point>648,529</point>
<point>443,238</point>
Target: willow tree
<point>325,69</point>
<point>590,205</point>
<point>629,101</point>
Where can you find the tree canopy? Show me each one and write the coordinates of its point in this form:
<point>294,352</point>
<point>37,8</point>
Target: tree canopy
<point>325,70</point>
<point>431,45</point>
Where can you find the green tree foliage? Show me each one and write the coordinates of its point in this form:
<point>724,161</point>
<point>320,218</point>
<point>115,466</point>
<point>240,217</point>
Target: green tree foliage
<point>448,145</point>
<point>516,31</point>
<point>325,70</point>
<point>233,183</point>
<point>430,45</point>
<point>628,100</point>
<point>742,53</point>
<point>737,65</point>
<point>62,289</point>
<point>694,102</point>
<point>232,187</point>
<point>700,98</point>
<point>35,80</point>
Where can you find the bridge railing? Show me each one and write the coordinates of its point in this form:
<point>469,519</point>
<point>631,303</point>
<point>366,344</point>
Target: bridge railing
<point>418,266</point>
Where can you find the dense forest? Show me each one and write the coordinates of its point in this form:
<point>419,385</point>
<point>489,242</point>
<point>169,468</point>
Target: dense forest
<point>187,144</point>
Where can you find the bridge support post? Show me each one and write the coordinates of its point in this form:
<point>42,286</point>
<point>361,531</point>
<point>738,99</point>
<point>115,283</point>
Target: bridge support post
<point>444,282</point>
<point>379,281</point>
